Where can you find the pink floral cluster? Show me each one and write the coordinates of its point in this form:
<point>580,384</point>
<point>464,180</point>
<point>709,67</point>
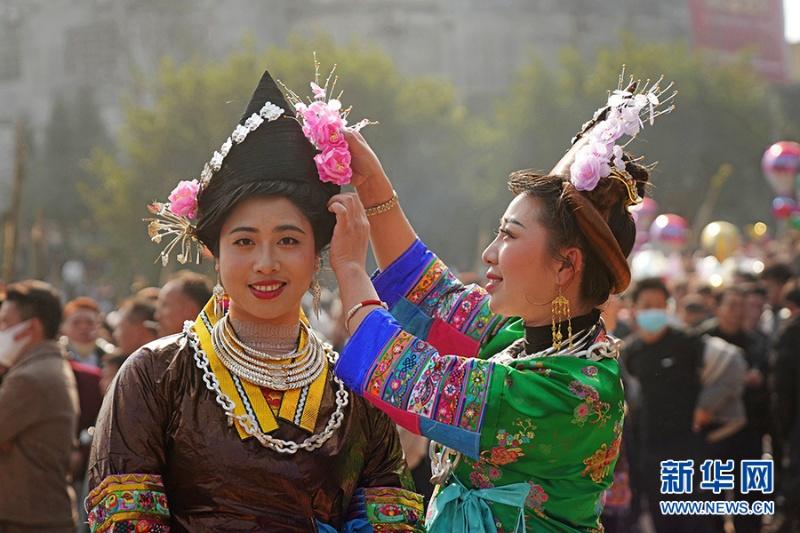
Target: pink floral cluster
<point>183,199</point>
<point>323,125</point>
<point>596,159</point>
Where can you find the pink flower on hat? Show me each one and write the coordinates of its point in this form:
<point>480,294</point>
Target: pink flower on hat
<point>319,92</point>
<point>607,131</point>
<point>183,199</point>
<point>586,170</point>
<point>323,124</point>
<point>333,165</point>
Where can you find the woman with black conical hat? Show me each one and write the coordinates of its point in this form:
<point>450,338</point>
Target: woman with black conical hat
<point>239,424</point>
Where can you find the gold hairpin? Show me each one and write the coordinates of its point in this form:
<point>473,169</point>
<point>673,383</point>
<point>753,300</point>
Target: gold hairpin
<point>630,185</point>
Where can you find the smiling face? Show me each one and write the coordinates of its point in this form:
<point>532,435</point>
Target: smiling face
<point>522,273</point>
<point>266,260</point>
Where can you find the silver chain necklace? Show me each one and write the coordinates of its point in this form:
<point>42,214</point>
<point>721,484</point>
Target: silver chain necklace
<point>264,371</point>
<point>248,422</point>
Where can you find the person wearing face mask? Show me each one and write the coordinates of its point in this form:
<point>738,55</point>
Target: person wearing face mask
<point>38,413</point>
<point>518,383</point>
<point>664,359</point>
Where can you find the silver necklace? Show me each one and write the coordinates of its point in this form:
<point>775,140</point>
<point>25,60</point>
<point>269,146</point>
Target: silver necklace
<point>264,372</point>
<point>248,422</point>
<point>225,323</point>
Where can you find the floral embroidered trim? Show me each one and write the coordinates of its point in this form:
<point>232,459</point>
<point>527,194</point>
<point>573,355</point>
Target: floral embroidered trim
<point>438,293</point>
<point>591,405</point>
<point>432,273</point>
<point>487,469</point>
<point>393,509</point>
<point>384,364</point>
<point>601,463</point>
<point>476,389</point>
<point>410,375</point>
<point>406,368</point>
<point>425,392</point>
<point>136,500</point>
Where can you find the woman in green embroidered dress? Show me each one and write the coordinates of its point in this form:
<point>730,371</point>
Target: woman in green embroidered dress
<point>518,381</point>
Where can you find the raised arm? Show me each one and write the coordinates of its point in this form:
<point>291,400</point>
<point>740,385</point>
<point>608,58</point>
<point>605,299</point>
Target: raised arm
<point>390,232</point>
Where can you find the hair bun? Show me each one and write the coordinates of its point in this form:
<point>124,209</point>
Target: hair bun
<point>611,199</point>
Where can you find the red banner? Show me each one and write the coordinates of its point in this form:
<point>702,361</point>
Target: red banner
<point>752,26</point>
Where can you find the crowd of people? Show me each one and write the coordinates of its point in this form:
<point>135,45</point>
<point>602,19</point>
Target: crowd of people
<point>49,409</point>
<point>709,373</point>
<point>198,408</point>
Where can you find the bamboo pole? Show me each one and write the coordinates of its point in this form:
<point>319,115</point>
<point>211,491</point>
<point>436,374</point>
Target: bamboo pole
<point>11,229</point>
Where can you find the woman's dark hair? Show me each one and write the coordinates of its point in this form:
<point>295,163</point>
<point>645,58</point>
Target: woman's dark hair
<point>609,197</point>
<point>217,202</point>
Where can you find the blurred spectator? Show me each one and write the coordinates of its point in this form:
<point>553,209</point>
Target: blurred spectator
<point>692,310</point>
<point>180,299</point>
<point>774,279</point>
<point>709,299</point>
<point>614,315</point>
<point>663,359</point>
<point>81,337</point>
<point>111,366</point>
<point>90,398</point>
<point>147,293</point>
<point>38,413</point>
<point>755,303</point>
<point>787,395</point>
<point>136,325</point>
<point>746,443</point>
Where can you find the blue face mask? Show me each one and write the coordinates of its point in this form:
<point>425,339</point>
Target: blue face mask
<point>652,320</point>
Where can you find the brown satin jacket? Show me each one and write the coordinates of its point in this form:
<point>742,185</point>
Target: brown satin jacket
<point>162,437</point>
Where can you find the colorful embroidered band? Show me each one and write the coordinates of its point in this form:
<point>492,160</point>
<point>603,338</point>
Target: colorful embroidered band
<point>128,502</point>
<point>387,509</point>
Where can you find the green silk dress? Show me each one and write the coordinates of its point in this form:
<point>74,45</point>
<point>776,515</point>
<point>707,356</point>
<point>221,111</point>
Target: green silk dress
<point>538,434</point>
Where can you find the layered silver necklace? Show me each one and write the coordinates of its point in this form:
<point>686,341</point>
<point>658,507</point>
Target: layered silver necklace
<point>281,372</point>
<point>247,421</point>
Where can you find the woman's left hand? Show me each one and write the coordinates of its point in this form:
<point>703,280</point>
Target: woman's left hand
<point>350,236</point>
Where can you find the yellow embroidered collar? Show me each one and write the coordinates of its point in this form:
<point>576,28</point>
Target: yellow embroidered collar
<point>298,406</point>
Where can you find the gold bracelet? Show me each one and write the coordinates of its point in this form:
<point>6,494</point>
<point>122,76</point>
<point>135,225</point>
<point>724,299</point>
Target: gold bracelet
<point>353,310</point>
<point>384,207</point>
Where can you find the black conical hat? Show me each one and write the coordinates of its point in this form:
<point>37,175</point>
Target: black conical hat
<point>275,151</point>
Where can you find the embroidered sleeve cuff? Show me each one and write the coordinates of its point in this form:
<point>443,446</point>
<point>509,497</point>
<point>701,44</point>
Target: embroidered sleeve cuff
<point>400,277</point>
<point>128,502</point>
<point>385,509</point>
<point>364,347</point>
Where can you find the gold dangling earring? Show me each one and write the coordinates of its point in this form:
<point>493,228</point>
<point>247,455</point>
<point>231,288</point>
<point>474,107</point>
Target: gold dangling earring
<point>559,313</point>
<point>220,300</point>
<point>316,290</point>
<point>316,293</point>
